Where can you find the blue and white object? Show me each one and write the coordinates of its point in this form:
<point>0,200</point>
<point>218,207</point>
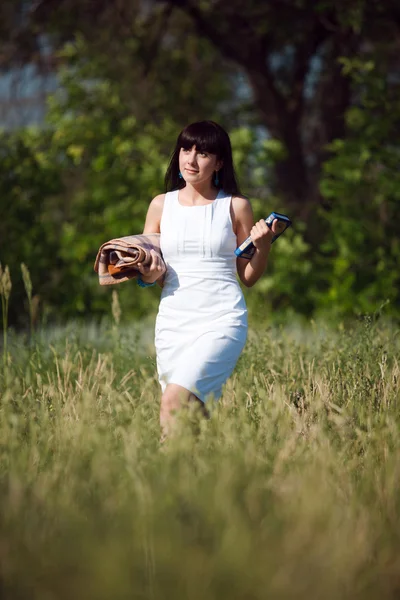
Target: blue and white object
<point>247,249</point>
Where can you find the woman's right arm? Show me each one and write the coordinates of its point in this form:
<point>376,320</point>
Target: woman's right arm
<point>153,272</point>
<point>154,214</point>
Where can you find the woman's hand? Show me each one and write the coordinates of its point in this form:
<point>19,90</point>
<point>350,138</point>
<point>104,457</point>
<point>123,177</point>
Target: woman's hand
<point>261,234</point>
<point>153,270</point>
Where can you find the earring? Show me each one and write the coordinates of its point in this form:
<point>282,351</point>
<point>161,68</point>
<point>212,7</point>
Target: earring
<point>216,180</point>
<point>180,175</point>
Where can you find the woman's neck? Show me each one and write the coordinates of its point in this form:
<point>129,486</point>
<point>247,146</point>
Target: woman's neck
<point>197,194</point>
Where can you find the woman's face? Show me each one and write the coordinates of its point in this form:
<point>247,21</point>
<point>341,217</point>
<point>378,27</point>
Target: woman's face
<point>197,167</point>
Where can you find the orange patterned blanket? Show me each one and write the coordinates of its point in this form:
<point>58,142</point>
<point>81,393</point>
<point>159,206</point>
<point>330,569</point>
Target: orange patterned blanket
<point>116,260</point>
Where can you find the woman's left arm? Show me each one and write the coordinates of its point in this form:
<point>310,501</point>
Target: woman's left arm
<point>251,270</point>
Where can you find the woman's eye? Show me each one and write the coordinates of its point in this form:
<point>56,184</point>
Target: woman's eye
<point>204,154</point>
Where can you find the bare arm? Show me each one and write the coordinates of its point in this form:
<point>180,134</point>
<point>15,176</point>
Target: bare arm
<point>154,271</point>
<point>154,214</point>
<point>250,271</point>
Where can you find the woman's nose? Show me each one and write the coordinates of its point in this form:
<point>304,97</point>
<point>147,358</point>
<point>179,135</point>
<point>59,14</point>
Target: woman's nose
<point>192,157</point>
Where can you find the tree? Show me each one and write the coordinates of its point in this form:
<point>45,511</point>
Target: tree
<point>289,51</point>
<point>131,74</point>
<point>92,170</point>
<point>359,259</point>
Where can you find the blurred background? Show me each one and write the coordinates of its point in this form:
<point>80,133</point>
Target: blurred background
<point>94,94</point>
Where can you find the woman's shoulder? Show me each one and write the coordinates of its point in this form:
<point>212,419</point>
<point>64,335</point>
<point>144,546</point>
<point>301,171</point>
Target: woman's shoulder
<point>157,204</point>
<point>158,201</point>
<point>154,214</point>
<point>241,212</point>
<point>241,204</point>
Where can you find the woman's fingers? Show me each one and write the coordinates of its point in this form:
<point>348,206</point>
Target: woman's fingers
<point>158,261</point>
<point>278,226</point>
<point>155,265</point>
<point>262,226</point>
<point>260,230</point>
<point>261,234</point>
<point>144,269</point>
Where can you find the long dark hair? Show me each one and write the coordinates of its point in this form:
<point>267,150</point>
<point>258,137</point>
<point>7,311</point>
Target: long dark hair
<point>206,136</point>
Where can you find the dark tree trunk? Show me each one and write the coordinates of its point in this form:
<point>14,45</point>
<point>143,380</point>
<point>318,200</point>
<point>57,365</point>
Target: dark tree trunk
<point>305,124</point>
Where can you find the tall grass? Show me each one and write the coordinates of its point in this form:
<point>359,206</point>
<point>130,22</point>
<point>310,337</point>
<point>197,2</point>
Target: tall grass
<point>289,490</point>
<point>5,290</point>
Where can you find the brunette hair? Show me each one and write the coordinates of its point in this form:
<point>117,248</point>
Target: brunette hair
<point>206,136</point>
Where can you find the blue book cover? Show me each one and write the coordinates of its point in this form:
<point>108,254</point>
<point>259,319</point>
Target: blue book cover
<point>247,249</point>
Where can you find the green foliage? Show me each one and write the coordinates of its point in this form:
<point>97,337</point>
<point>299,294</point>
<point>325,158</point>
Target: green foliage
<point>290,489</point>
<point>112,167</point>
<point>31,217</point>
<point>96,168</point>
<point>286,287</point>
<point>64,200</point>
<point>91,173</point>
<point>361,254</point>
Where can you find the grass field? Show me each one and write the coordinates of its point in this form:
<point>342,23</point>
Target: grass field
<point>290,490</point>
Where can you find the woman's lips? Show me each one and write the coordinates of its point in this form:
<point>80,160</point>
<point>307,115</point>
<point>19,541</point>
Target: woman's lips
<point>191,171</point>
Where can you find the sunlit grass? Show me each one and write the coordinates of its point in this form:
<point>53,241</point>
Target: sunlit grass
<point>290,490</point>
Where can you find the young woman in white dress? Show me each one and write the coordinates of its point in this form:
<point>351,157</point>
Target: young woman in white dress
<point>201,325</point>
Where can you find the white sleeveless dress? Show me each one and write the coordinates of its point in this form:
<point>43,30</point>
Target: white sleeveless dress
<point>201,325</point>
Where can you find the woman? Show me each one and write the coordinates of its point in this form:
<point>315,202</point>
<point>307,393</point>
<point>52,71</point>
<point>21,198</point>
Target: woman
<point>201,325</point>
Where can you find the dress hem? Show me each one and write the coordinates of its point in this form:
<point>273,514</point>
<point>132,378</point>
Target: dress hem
<point>202,397</point>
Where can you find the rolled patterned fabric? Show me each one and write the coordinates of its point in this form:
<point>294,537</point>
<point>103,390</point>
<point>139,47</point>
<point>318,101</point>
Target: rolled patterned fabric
<point>116,260</point>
